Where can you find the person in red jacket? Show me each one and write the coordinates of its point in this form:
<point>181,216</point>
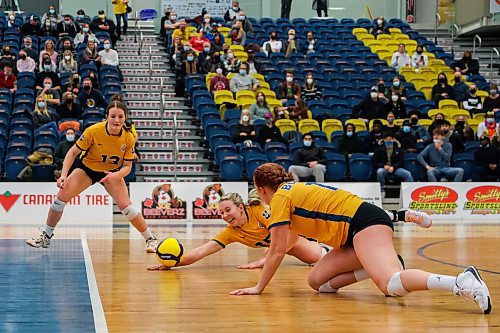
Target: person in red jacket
<point>7,79</point>
<point>198,41</point>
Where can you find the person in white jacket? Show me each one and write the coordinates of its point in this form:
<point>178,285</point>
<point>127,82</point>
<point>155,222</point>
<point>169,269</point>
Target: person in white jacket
<point>108,55</point>
<point>419,59</point>
<point>400,58</point>
<point>273,45</point>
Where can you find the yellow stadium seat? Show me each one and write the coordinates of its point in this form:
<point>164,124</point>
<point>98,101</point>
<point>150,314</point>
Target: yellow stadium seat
<point>391,42</point>
<point>394,30</point>
<point>237,48</point>
<point>245,93</point>
<point>359,123</point>
<point>399,122</point>
<point>259,77</point>
<point>436,62</point>
<point>404,70</point>
<point>410,49</point>
<point>268,93</point>
<point>418,81</point>
<point>245,100</point>
<point>474,123</point>
<point>208,78</point>
<point>308,125</point>
<point>425,122</point>
<point>384,36</point>
<point>479,116</point>
<point>448,104</point>
<point>357,31</point>
<point>377,48</point>
<point>372,43</point>
<point>365,37</point>
<point>286,125</point>
<point>230,75</point>
<point>274,103</point>
<point>243,56</point>
<point>331,125</point>
<point>401,37</point>
<point>482,94</point>
<point>453,114</point>
<point>224,30</point>
<point>410,42</point>
<point>190,29</point>
<point>431,56</point>
<point>427,90</point>
<point>370,126</point>
<point>222,96</point>
<point>433,112</point>
<point>264,85</point>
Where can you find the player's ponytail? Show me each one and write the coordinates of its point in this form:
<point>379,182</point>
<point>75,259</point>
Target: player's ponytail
<point>271,175</point>
<point>253,198</point>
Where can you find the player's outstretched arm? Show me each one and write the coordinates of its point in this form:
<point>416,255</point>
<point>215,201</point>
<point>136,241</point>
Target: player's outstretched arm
<point>193,256</point>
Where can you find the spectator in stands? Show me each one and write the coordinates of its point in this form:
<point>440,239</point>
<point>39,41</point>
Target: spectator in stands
<point>217,43</point>
<point>245,130</point>
<point>32,27</point>
<point>197,42</point>
<point>467,66</point>
<point>438,121</point>
<point>69,108</point>
<point>168,25</point>
<point>286,7</point>
<point>260,108</point>
<point>67,28</point>
<point>488,161</point>
<point>49,22</point>
<point>380,27</point>
<point>384,94</point>
<point>461,88</point>
<point>310,92</point>
<point>208,61</point>
<point>232,13</point>
<point>463,129</point>
<point>289,89</point>
<point>391,126</point>
<point>91,56</point>
<point>73,84</point>
<point>473,102</point>
<point>251,63</point>
<point>49,49</point>
<point>350,143</point>
<point>219,81</point>
<point>81,18</point>
<point>46,71</point>
<point>11,22</point>
<point>418,130</point>
<point>243,81</point>
<point>7,58</point>
<point>370,107</point>
<point>85,36</point>
<point>90,97</point>
<point>41,115</point>
<point>309,160</point>
<point>321,6</point>
<point>50,95</point>
<point>419,58</point>
<point>298,111</point>
<point>457,143</point>
<point>436,159</point>
<point>237,34</point>
<point>400,58</point>
<point>245,23</point>
<point>7,79</point>
<point>388,160</point>
<point>273,45</point>
<point>489,126</point>
<point>108,55</point>
<point>67,45</point>
<point>68,64</point>
<point>120,10</point>
<point>189,66</point>
<point>373,138</point>
<point>30,51</point>
<point>181,53</point>
<point>93,77</point>
<point>492,101</point>
<point>310,42</point>
<point>102,24</point>
<point>270,132</point>
<point>52,15</point>
<point>291,45</point>
<point>399,88</point>
<point>46,60</point>
<point>181,32</point>
<point>214,31</point>
<point>405,137</point>
<point>442,90</point>
<point>62,149</point>
<point>231,63</point>
<point>206,25</point>
<point>396,105</point>
<point>25,63</point>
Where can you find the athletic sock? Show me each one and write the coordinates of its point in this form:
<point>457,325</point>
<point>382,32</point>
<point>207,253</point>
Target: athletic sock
<point>393,215</point>
<point>326,288</point>
<point>441,282</point>
<point>147,234</point>
<point>402,215</point>
<point>48,230</point>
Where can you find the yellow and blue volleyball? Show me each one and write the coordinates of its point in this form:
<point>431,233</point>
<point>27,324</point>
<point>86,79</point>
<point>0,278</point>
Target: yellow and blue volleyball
<point>169,252</point>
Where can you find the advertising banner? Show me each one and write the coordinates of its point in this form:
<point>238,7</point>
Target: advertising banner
<point>193,8</point>
<point>454,201</point>
<point>22,203</point>
<point>369,192</point>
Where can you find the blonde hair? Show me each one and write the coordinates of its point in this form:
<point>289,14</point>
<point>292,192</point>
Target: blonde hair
<point>71,59</point>
<point>37,109</point>
<point>253,198</point>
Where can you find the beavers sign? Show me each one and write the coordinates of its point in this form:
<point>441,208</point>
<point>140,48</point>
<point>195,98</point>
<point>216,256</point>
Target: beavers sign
<point>454,201</point>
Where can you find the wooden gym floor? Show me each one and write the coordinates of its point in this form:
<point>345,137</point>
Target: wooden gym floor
<point>55,289</point>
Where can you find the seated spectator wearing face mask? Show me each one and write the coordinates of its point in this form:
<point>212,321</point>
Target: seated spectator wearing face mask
<point>291,45</point>
<point>310,91</point>
<point>373,138</point>
<point>219,81</point>
<point>245,130</point>
<point>25,63</point>
<point>397,87</point>
<point>463,130</point>
<point>67,27</point>
<point>260,108</point>
<point>380,27</point>
<point>50,95</point>
<point>270,132</point>
<point>62,149</point>
<point>7,79</point>
<point>419,131</point>
<point>391,126</point>
<point>405,137</point>
<point>371,107</point>
<point>289,89</point>
<point>461,88</point>
<point>309,161</point>
<point>492,101</point>
<point>396,106</point>
<point>442,90</point>
<point>400,58</point>
<point>489,126</point>
<point>487,161</point>
<point>243,81</point>
<point>310,43</point>
<point>466,66</point>
<point>273,45</point>
<point>419,58</point>
<point>232,13</point>
<point>350,143</point>
<point>473,102</point>
<point>32,27</point>
<point>69,108</point>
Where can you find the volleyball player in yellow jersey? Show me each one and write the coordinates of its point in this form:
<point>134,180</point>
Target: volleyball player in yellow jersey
<point>360,233</point>
<point>106,152</point>
<point>247,226</point>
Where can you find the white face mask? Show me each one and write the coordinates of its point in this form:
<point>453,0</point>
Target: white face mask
<point>67,57</point>
<point>173,17</point>
<point>289,79</point>
<point>218,71</point>
<point>48,85</point>
<point>245,118</point>
<point>394,98</point>
<point>309,81</point>
<point>12,17</point>
<point>380,22</point>
<point>230,56</point>
<point>207,20</point>
<point>373,95</point>
<point>310,47</point>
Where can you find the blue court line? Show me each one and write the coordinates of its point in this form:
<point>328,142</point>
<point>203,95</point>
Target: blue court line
<point>422,249</point>
<point>44,290</point>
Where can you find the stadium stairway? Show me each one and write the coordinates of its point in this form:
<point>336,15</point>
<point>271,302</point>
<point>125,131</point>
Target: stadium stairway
<point>156,160</point>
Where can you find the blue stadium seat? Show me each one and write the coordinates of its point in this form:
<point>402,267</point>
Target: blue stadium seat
<point>335,167</point>
<point>251,164</point>
<point>43,173</point>
<point>222,150</point>
<point>465,161</point>
<point>231,168</point>
<point>13,166</point>
<point>360,166</point>
<point>416,169</point>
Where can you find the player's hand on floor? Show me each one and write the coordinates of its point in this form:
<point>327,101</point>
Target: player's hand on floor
<point>252,265</point>
<point>246,291</point>
<point>158,268</point>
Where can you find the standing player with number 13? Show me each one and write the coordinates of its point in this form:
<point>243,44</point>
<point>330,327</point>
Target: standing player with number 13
<point>104,154</point>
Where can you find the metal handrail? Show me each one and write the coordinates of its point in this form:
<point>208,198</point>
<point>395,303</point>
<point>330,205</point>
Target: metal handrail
<point>175,147</point>
<point>162,108</point>
<point>141,42</point>
<point>135,27</point>
<point>150,76</point>
<point>453,28</point>
<point>438,23</point>
<point>493,49</point>
<point>150,53</point>
<point>474,45</point>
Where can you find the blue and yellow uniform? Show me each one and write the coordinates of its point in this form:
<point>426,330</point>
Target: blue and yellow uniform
<point>315,211</point>
<point>252,234</point>
<point>103,151</point>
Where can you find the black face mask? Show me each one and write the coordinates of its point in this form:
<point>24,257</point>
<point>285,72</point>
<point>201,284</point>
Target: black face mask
<point>457,80</point>
<point>446,132</point>
<point>414,121</point>
<point>6,52</point>
<point>460,124</point>
<point>23,56</point>
<point>442,80</point>
<point>69,101</point>
<point>87,88</point>
<point>273,37</point>
<point>473,91</point>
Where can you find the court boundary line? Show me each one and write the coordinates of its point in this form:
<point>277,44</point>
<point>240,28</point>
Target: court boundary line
<point>421,250</point>
<point>95,298</point>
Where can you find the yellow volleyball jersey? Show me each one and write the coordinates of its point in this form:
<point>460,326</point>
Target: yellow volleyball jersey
<point>314,211</point>
<point>103,151</point>
<point>252,234</point>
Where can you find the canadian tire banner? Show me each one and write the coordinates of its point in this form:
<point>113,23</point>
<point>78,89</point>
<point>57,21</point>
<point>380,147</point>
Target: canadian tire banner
<point>494,6</point>
<point>26,203</point>
<point>454,201</point>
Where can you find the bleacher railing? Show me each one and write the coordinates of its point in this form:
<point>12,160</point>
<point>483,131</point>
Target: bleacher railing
<point>480,41</point>
<point>454,28</point>
<point>162,108</point>
<point>175,147</point>
<point>438,23</point>
<point>493,50</point>
<point>135,27</point>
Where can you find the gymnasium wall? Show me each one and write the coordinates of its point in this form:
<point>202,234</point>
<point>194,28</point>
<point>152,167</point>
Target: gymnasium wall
<point>471,11</point>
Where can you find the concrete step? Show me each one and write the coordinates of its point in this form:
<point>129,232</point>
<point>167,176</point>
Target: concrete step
<point>147,37</point>
<point>143,57</point>
<point>139,96</point>
<point>155,87</point>
<point>155,114</point>
<point>144,73</point>
<point>188,144</point>
<point>143,64</point>
<point>180,178</point>
<point>166,157</point>
<point>154,79</point>
<point>167,123</point>
<point>153,168</point>
<point>177,104</point>
<point>167,134</point>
